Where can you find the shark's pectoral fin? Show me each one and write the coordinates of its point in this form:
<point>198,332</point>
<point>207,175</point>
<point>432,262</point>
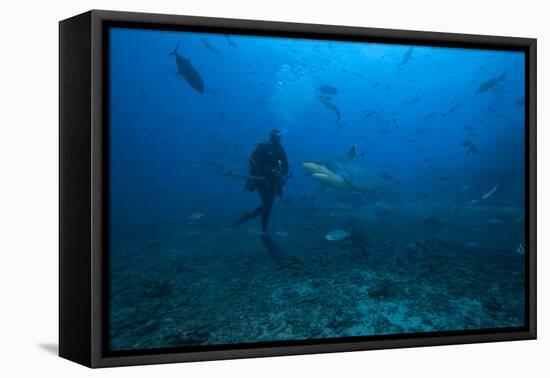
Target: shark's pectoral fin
<point>347,179</point>
<point>319,191</point>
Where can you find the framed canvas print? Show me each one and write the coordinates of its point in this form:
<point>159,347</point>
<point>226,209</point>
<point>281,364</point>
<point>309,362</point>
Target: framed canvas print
<point>233,188</point>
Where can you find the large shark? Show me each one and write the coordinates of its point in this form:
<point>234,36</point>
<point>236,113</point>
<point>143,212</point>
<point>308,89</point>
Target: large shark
<point>343,173</point>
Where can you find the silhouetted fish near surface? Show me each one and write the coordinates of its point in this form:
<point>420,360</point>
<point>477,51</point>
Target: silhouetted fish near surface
<point>413,100</point>
<point>406,57</point>
<point>489,84</point>
<point>209,47</point>
<point>452,109</point>
<point>421,130</point>
<point>328,90</point>
<point>428,116</point>
<point>329,105</point>
<point>230,41</point>
<point>187,71</point>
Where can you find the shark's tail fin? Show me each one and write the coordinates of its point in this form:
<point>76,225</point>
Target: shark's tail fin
<point>175,51</point>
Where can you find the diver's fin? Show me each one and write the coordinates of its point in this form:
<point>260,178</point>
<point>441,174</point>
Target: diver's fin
<point>351,152</point>
<point>175,51</point>
<point>249,215</point>
<point>273,249</point>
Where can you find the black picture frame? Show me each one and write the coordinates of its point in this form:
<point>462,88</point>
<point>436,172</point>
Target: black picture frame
<point>83,200</point>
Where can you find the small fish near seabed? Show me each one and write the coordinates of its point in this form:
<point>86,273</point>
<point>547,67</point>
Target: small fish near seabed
<point>186,70</point>
<point>337,235</point>
<point>490,84</point>
<point>282,234</point>
<point>471,244</point>
<point>194,217</point>
<point>491,192</point>
<point>485,196</point>
<point>520,249</point>
<point>329,105</point>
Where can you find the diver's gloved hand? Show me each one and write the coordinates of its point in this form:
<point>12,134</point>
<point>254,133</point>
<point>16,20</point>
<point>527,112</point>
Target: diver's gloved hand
<point>278,175</point>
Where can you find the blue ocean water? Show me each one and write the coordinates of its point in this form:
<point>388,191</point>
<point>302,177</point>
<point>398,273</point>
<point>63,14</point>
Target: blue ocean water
<point>429,220</point>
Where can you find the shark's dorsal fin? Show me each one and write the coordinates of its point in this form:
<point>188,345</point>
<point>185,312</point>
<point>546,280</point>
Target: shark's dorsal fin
<point>351,152</point>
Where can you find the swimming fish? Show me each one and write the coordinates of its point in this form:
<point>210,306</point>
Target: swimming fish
<point>413,100</point>
<point>406,57</point>
<point>329,105</point>
<point>337,235</point>
<point>186,70</point>
<point>466,143</point>
<point>428,116</point>
<point>209,47</point>
<point>328,90</point>
<point>491,83</point>
<point>491,192</point>
<point>230,41</point>
<point>472,149</point>
<point>421,130</point>
<point>195,216</point>
<point>451,110</point>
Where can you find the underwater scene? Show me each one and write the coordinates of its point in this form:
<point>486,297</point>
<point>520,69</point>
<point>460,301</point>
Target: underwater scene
<point>267,189</point>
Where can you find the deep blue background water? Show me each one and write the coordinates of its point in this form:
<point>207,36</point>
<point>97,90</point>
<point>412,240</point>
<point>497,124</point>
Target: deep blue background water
<point>406,117</point>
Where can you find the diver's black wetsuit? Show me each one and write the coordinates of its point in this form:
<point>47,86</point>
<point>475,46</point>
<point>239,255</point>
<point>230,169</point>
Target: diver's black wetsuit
<point>269,161</point>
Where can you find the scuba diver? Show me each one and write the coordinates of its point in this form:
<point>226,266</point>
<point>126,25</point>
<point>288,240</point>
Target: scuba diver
<point>269,165</point>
